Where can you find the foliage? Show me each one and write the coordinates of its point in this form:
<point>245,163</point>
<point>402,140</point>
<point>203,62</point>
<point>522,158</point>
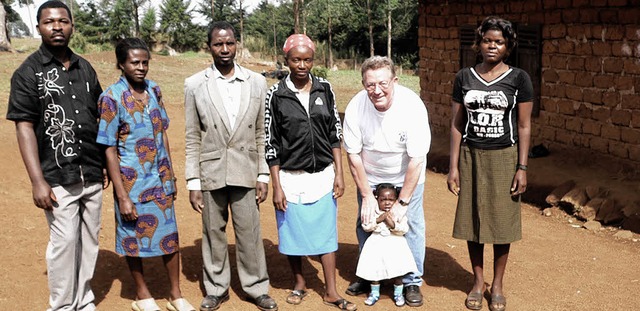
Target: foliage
<point>175,21</point>
<point>148,26</point>
<point>321,72</point>
<point>120,21</point>
<point>91,20</point>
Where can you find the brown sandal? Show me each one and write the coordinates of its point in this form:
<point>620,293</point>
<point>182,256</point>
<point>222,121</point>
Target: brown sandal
<point>296,296</point>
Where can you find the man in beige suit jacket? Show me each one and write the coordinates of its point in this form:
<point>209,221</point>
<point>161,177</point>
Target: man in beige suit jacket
<point>226,169</point>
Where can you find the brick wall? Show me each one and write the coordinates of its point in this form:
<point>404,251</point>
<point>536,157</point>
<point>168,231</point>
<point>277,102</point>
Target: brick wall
<point>590,88</point>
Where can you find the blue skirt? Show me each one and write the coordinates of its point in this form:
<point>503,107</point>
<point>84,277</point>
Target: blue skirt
<point>308,229</point>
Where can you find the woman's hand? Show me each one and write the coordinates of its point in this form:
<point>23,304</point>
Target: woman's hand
<point>279,199</point>
<point>519,185</point>
<point>453,181</point>
<point>128,210</point>
<point>338,187</point>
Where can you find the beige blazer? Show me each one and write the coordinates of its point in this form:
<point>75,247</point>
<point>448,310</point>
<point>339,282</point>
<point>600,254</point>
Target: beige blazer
<point>217,154</point>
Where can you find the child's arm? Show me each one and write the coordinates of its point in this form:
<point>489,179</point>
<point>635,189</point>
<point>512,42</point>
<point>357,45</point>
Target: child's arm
<point>401,227</point>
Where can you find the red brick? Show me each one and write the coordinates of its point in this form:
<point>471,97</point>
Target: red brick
<point>631,136</point>
<point>545,60</point>
<point>611,132</point>
<point>598,2</point>
<point>621,117</point>
<point>613,65</point>
<point>574,93</point>
<point>558,62</point>
<point>549,47</point>
<point>570,16</point>
<point>566,47</point>
<point>617,2</point>
<point>548,133</point>
<point>593,64</point>
<point>563,3</point>
<point>597,32</point>
<point>635,119</point>
<point>601,114</point>
<point>630,101</point>
<point>501,8</point>
<point>583,49</point>
<point>574,31</point>
<point>550,75</point>
<point>629,16</point>
<point>574,125</point>
<point>536,18</point>
<point>558,90</point>
<point>567,77</point>
<point>632,66</point>
<point>599,144</point>
<point>621,49</point>
<point>593,96</point>
<point>634,153</point>
<point>584,112</point>
<point>600,48</point>
<point>611,99</point>
<point>557,120</point>
<point>584,79</point>
<point>624,83</point>
<point>588,16</point>
<point>632,32</point>
<point>608,16</point>
<point>591,127</point>
<point>565,137</point>
<point>575,63</point>
<point>603,81</point>
<point>566,107</point>
<point>614,32</point>
<point>550,104</point>
<point>516,7</point>
<point>619,149</point>
<point>549,4</point>
<point>557,31</point>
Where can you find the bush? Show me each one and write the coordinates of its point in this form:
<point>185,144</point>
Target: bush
<point>321,72</point>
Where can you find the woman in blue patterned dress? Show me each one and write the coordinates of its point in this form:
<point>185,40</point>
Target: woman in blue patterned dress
<point>133,125</point>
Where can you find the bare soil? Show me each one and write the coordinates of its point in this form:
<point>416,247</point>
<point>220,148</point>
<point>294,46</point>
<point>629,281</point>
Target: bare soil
<point>557,265</point>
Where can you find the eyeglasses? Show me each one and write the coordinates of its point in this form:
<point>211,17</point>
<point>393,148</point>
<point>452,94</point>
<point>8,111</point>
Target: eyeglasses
<point>382,84</point>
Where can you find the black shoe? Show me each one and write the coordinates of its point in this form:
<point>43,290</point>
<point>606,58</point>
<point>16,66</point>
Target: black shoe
<point>211,302</point>
<point>412,295</point>
<point>266,303</point>
<point>358,287</point>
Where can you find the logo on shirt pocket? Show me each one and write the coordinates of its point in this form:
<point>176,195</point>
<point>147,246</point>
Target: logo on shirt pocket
<point>319,102</point>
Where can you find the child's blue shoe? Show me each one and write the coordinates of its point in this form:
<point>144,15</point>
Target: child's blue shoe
<point>399,300</point>
<point>371,300</point>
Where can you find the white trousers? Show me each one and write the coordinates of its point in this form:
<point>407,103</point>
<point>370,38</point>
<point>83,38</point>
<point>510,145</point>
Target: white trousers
<point>72,251</point>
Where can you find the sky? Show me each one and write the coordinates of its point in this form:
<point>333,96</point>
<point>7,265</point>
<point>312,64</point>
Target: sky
<point>24,12</point>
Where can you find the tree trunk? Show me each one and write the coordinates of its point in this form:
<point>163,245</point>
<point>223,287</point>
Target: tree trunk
<point>213,10</point>
<point>304,17</point>
<point>389,28</point>
<point>371,49</point>
<point>330,64</point>
<point>275,41</point>
<point>296,16</point>
<point>5,44</point>
<point>136,18</point>
<point>241,23</point>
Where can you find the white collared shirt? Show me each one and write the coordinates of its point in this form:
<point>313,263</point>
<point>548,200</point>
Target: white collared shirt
<point>230,89</point>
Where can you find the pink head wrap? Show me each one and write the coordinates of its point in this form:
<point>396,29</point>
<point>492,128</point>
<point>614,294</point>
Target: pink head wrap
<point>298,40</point>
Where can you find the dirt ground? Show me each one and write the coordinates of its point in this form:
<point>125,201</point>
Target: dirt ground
<point>557,265</point>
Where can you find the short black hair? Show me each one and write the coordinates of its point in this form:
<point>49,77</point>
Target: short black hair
<point>496,23</point>
<point>383,186</point>
<point>219,25</point>
<point>53,4</point>
<point>123,47</point>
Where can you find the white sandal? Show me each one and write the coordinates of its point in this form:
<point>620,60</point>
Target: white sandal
<point>148,304</point>
<point>180,304</point>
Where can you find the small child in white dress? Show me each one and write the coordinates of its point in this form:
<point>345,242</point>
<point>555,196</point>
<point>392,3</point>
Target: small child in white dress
<point>386,254</point>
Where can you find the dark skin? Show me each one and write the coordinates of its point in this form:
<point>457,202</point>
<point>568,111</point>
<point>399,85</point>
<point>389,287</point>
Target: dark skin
<point>55,28</point>
<point>493,48</point>
<point>386,199</point>
<point>300,61</point>
<point>223,50</point>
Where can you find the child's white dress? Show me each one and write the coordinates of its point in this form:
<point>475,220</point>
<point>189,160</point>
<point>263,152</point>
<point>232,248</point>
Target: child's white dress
<point>385,254</point>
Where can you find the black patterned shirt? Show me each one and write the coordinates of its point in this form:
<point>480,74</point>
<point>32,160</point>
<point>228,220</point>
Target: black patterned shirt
<point>62,105</point>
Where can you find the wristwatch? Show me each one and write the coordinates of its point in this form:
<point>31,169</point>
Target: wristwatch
<point>403,202</point>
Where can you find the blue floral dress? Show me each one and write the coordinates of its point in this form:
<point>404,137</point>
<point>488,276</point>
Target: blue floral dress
<point>145,168</point>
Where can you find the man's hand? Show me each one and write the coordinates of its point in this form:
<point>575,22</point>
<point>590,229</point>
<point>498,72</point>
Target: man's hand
<point>368,209</point>
<point>262,190</point>
<point>398,211</point>
<point>43,196</point>
<point>196,200</point>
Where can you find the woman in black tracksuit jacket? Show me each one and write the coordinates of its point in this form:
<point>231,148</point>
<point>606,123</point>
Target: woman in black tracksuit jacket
<point>303,136</point>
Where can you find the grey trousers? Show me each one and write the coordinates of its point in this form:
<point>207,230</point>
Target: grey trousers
<point>250,258</point>
<point>72,250</point>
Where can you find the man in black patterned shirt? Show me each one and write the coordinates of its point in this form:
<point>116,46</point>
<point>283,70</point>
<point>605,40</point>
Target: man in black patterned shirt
<point>53,102</point>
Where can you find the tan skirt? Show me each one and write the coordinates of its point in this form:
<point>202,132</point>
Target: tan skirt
<point>486,212</point>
